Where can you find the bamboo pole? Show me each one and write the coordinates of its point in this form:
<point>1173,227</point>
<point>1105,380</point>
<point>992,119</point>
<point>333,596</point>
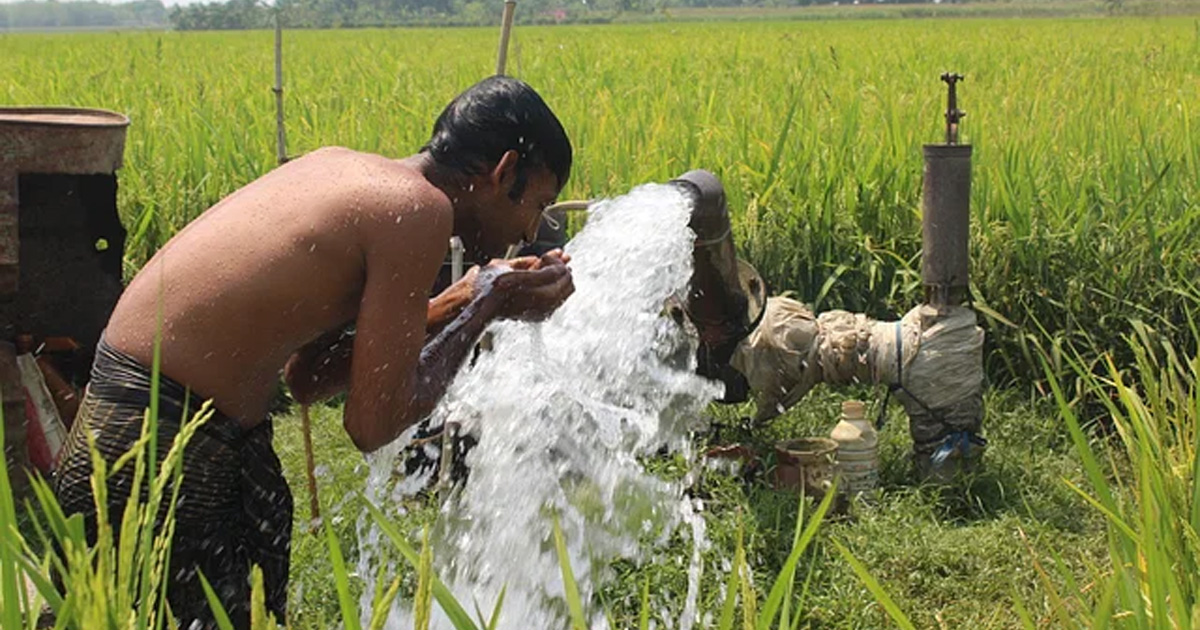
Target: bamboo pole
<point>450,429</point>
<point>314,505</point>
<point>280,134</point>
<point>510,7</point>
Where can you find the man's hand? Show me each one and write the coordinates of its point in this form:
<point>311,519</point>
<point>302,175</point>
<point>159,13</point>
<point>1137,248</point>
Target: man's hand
<point>533,263</point>
<point>530,288</point>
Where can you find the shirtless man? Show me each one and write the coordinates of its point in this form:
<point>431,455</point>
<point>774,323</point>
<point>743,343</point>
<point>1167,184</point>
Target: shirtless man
<point>268,279</point>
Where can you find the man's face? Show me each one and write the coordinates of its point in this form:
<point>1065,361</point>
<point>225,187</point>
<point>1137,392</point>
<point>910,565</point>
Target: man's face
<point>520,218</point>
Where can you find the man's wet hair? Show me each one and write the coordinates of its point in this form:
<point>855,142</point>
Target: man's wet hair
<point>496,115</point>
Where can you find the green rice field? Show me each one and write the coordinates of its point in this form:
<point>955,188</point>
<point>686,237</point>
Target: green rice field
<point>1086,158</point>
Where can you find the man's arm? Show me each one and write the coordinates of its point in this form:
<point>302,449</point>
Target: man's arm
<point>402,259</point>
<point>449,304</point>
<point>376,413</point>
<point>321,368</point>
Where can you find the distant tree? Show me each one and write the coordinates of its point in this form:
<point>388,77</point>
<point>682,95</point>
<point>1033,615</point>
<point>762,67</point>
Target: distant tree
<point>87,14</point>
<point>231,15</point>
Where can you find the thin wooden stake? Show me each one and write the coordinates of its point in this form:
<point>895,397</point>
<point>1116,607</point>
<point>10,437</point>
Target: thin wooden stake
<point>314,505</point>
<point>510,7</point>
<point>450,429</point>
<point>280,135</point>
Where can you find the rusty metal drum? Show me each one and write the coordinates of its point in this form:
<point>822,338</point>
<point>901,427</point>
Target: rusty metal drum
<point>61,240</point>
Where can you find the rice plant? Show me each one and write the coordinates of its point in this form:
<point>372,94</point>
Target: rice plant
<point>1085,194</point>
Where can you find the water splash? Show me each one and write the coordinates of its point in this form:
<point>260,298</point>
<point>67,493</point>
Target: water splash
<point>562,410</point>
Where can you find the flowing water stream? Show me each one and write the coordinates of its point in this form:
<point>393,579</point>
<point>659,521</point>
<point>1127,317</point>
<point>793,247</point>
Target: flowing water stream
<point>562,411</point>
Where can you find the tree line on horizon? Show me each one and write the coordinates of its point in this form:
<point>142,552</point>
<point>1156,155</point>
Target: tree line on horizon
<point>254,14</point>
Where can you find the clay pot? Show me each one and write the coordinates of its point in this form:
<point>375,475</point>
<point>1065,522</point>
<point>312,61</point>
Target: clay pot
<point>805,463</point>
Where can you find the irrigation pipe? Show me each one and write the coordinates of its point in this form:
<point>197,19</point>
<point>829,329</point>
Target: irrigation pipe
<point>573,205</point>
<point>450,429</point>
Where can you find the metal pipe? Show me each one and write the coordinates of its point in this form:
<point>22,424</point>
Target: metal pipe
<point>715,295</point>
<point>456,259</point>
<point>450,429</point>
<point>946,440</point>
<point>573,205</point>
<point>946,212</point>
<point>953,113</point>
<point>717,303</point>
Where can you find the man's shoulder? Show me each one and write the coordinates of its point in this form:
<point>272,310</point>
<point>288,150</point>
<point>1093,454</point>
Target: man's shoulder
<point>393,187</point>
<point>376,182</point>
<point>392,203</point>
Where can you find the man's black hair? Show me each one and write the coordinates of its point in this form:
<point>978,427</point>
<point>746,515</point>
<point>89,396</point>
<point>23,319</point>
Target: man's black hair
<point>496,115</point>
<point>492,117</point>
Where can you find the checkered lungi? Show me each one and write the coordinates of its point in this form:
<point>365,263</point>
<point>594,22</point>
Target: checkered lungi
<point>234,506</point>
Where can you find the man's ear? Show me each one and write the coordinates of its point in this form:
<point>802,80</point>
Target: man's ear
<point>504,174</point>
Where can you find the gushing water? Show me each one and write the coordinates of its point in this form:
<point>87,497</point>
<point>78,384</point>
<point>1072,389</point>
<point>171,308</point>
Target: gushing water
<point>562,410</point>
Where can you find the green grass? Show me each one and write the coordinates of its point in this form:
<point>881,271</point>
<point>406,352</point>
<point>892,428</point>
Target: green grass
<point>957,554</point>
<point>1018,538</point>
<point>1013,547</point>
<point>1151,504</point>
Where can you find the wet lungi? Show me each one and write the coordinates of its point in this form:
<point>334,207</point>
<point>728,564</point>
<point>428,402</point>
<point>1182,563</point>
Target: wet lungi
<point>234,506</point>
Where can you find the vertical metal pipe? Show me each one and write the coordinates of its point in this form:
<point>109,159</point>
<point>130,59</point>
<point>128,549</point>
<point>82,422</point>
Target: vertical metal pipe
<point>946,207</point>
<point>946,440</point>
<point>456,259</point>
<point>510,7</point>
<point>946,210</point>
<point>718,304</point>
<point>450,429</point>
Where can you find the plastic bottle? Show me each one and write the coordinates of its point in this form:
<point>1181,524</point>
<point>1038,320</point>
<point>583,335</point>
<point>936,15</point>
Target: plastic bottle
<point>858,450</point>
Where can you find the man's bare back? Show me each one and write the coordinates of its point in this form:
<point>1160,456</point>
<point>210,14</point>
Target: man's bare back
<point>278,263</point>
